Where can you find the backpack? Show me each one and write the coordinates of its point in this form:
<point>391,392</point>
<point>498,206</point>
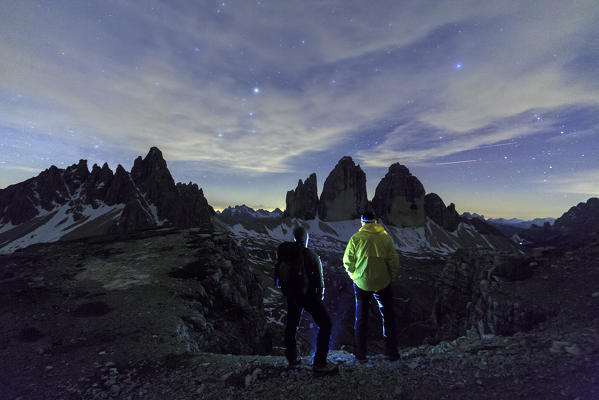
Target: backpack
<point>294,276</point>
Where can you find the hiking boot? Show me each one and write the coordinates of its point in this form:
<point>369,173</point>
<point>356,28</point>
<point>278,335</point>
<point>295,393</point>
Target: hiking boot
<point>325,369</point>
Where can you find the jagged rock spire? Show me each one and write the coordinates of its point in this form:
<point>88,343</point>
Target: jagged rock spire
<point>399,198</point>
<point>303,201</point>
<point>344,192</point>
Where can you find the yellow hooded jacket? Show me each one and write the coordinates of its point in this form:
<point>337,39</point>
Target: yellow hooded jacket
<point>370,258</point>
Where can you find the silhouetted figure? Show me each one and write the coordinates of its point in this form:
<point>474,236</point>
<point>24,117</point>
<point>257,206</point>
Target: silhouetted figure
<point>372,263</point>
<point>298,272</point>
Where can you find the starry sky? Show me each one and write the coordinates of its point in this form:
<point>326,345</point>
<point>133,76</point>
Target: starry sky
<point>492,105</point>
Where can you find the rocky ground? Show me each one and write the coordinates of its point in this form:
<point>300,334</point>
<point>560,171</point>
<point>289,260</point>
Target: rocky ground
<point>66,308</point>
<point>525,366</point>
<point>74,331</point>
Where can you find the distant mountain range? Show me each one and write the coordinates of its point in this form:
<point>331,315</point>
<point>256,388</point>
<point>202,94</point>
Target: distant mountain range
<point>71,203</point>
<point>512,226</point>
<point>245,211</point>
<point>65,204</point>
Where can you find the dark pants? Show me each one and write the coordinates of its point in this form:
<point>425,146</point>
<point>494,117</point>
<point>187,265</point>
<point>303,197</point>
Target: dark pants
<point>314,306</point>
<point>384,299</point>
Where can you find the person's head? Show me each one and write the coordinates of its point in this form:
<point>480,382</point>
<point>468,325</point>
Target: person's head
<point>368,218</point>
<point>300,235</point>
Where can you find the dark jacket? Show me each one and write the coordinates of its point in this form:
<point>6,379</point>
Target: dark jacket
<point>290,251</point>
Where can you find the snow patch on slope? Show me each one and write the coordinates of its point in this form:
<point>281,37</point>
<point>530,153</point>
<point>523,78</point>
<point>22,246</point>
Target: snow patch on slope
<point>61,223</point>
<point>7,227</point>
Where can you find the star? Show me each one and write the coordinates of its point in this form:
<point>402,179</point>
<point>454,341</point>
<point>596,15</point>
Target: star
<point>458,66</point>
<point>256,90</point>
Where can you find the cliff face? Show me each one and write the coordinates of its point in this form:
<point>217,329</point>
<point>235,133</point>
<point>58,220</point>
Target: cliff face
<point>303,201</point>
<point>399,198</point>
<point>344,192</point>
<point>470,295</point>
<point>435,209</point>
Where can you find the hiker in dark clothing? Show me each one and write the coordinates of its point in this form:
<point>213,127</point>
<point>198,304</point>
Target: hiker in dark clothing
<point>298,272</point>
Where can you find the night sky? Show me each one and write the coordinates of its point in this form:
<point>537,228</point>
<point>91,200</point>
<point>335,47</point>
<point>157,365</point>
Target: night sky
<point>493,105</point>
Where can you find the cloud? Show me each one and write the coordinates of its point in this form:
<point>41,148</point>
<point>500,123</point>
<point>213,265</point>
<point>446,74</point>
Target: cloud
<point>416,143</point>
<point>132,77</point>
<point>583,182</point>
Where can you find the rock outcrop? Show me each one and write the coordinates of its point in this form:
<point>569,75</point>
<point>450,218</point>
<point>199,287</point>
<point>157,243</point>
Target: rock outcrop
<point>163,292</point>
<point>344,193</point>
<point>469,296</point>
<point>303,201</point>
<point>435,209</point>
<point>399,198</point>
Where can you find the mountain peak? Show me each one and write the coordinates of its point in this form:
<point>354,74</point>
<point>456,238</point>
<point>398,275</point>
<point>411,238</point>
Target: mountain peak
<point>346,161</point>
<point>344,192</point>
<point>400,169</point>
<point>303,201</point>
<point>152,169</point>
<point>399,198</point>
<point>155,153</point>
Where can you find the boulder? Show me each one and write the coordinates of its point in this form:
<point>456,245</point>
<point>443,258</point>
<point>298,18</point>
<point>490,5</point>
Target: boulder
<point>344,193</point>
<point>399,198</point>
<point>303,201</point>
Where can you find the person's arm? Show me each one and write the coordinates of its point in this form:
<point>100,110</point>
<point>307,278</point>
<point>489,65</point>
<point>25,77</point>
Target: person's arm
<point>349,258</point>
<point>392,259</point>
<point>321,277</point>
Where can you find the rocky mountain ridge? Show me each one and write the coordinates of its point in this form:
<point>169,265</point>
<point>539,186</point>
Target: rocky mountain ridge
<point>75,202</point>
<point>243,210</point>
<point>575,227</point>
<point>400,199</point>
<point>511,226</point>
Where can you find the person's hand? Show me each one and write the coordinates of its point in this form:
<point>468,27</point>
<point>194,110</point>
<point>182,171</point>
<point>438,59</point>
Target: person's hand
<point>277,283</point>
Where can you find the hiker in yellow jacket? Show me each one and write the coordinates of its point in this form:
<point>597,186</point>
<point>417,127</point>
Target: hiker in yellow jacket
<point>372,263</point>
